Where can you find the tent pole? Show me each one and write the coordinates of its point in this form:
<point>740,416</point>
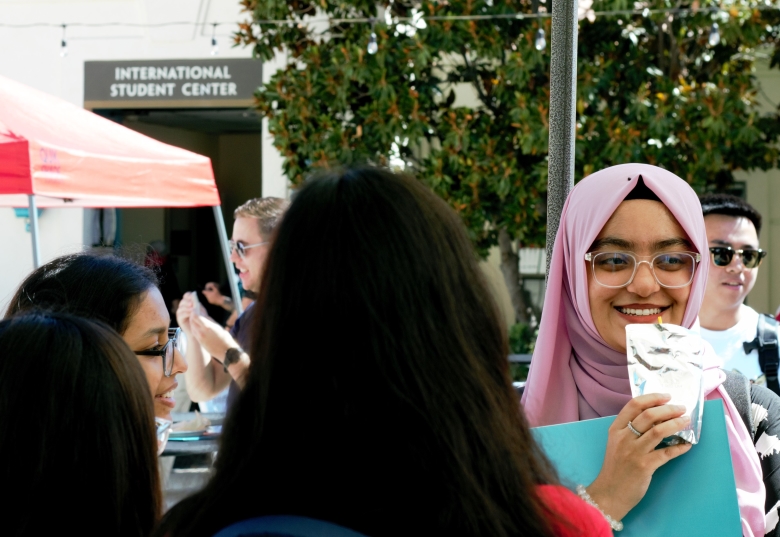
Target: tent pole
<point>563,100</point>
<point>33,214</point>
<point>231,273</point>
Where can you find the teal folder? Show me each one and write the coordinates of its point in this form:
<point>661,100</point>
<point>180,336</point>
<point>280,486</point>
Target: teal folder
<point>692,495</point>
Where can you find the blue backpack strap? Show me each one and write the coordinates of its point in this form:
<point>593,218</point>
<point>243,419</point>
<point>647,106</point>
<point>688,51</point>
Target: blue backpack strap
<point>286,526</point>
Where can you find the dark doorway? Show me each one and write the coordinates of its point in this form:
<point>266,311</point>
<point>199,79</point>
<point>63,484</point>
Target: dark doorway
<point>231,139</point>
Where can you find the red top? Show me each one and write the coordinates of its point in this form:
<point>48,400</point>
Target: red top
<point>575,518</point>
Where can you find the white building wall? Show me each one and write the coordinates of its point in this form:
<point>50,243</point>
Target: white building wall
<point>62,232</point>
<point>32,56</point>
<point>274,182</point>
<point>763,192</point>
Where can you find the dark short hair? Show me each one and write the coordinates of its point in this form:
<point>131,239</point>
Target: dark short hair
<point>78,439</point>
<point>103,287</point>
<point>730,205</point>
<point>395,413</point>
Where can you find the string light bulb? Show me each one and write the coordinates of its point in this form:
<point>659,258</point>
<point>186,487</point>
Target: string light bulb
<point>373,46</point>
<point>714,37</point>
<point>540,42</point>
<point>214,44</point>
<point>63,43</point>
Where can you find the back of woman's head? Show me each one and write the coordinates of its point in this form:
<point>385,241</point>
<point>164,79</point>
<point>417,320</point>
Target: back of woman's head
<point>103,287</point>
<point>383,273</point>
<point>379,390</point>
<point>77,437</point>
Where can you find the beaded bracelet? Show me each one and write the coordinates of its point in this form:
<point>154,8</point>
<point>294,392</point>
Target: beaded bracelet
<point>616,525</point>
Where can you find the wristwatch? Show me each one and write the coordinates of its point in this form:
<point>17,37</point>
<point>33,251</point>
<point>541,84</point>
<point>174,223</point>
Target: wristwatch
<point>232,356</point>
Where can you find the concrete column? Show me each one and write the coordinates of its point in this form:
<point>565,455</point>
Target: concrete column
<point>275,183</point>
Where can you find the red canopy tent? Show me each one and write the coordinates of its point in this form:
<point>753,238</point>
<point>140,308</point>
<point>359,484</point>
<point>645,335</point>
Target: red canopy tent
<point>55,154</point>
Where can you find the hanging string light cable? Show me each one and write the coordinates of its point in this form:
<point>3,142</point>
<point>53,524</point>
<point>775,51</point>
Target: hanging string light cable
<point>369,20</point>
<point>540,41</point>
<point>540,15</point>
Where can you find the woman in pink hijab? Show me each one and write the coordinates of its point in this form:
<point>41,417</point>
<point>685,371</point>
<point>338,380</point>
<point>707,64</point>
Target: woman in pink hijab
<point>579,368</point>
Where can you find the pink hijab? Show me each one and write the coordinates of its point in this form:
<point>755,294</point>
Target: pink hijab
<point>574,374</point>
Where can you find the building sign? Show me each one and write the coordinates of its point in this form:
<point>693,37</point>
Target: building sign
<point>223,83</point>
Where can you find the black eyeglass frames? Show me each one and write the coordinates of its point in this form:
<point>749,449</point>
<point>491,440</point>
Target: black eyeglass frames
<point>723,255</point>
<point>166,352</point>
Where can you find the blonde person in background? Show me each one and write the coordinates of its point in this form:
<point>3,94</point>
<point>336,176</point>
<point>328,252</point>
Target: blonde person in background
<point>216,357</point>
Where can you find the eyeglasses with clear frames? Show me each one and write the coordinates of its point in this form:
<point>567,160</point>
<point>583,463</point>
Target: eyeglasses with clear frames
<point>241,248</point>
<point>167,351</point>
<point>672,270</point>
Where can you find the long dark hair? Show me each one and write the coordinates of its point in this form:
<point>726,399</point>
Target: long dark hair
<point>379,396</point>
<point>78,440</point>
<point>103,287</point>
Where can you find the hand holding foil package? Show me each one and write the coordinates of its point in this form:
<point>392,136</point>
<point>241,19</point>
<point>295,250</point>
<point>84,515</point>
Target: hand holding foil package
<point>666,358</point>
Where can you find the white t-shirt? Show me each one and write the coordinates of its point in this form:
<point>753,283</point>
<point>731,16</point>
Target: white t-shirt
<point>728,343</point>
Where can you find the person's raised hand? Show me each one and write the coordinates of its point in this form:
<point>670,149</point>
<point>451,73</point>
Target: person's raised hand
<point>213,294</point>
<point>184,312</point>
<point>631,460</point>
<point>212,336</point>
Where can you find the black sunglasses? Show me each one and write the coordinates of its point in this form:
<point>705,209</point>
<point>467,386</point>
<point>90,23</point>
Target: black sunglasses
<point>722,256</point>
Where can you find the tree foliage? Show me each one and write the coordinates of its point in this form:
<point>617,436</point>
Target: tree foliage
<point>651,88</point>
<point>656,90</point>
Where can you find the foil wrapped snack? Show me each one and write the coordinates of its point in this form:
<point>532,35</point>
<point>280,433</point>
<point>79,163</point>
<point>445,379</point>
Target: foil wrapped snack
<point>666,358</point>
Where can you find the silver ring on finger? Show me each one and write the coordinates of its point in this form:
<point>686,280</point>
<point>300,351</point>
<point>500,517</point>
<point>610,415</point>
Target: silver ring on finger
<point>633,430</point>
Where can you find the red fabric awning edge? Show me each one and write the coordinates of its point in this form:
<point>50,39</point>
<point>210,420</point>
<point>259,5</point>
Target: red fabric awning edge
<point>58,151</point>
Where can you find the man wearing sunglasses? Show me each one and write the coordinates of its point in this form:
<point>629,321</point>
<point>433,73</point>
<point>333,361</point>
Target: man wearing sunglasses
<point>732,327</point>
<point>217,358</point>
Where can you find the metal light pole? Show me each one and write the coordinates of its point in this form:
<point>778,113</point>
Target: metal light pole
<point>231,273</point>
<point>34,232</point>
<point>563,100</point>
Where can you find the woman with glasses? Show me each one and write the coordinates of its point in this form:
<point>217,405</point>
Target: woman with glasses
<point>76,434</point>
<point>631,248</point>
<point>123,295</point>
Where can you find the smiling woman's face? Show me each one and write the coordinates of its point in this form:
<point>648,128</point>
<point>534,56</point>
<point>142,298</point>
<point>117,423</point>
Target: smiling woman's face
<point>148,330</point>
<point>644,228</point>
